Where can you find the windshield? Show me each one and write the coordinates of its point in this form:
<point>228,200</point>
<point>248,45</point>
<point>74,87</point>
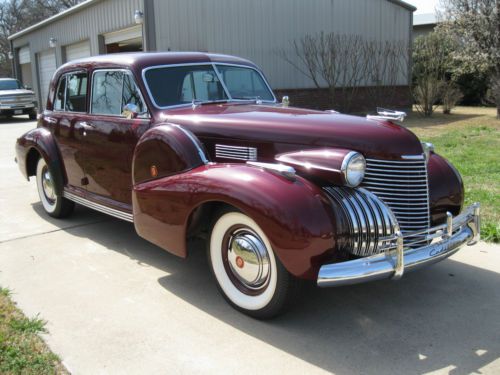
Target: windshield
<point>10,84</point>
<point>177,85</point>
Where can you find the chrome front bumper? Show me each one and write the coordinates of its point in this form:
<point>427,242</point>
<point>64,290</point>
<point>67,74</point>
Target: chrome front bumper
<point>446,239</point>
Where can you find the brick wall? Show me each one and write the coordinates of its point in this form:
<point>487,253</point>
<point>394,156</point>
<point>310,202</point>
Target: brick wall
<point>365,99</point>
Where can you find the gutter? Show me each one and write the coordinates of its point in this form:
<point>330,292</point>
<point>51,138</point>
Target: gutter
<point>403,4</point>
<point>54,18</point>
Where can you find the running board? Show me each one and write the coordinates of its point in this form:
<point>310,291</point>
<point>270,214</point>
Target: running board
<point>99,207</point>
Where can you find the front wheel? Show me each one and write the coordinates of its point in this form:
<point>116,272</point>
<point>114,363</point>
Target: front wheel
<point>248,274</point>
<point>55,205</point>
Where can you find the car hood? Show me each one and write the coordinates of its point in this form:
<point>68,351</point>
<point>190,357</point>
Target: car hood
<point>276,129</point>
<point>15,92</point>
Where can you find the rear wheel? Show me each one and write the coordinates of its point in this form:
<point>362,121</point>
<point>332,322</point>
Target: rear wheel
<point>55,205</point>
<point>32,115</point>
<point>248,274</point>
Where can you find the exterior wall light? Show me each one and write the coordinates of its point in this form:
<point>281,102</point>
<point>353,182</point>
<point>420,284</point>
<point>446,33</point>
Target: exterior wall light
<point>138,17</point>
<point>11,56</point>
<point>52,42</point>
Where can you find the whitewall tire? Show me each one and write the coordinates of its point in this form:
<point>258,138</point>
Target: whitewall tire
<point>53,204</point>
<point>248,273</point>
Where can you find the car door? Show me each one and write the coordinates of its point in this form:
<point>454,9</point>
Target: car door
<point>70,107</point>
<point>111,135</point>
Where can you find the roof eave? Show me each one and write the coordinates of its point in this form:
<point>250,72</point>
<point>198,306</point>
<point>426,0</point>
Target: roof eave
<point>404,4</point>
<point>54,18</point>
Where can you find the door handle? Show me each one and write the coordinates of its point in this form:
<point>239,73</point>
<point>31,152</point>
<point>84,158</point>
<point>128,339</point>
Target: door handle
<point>86,126</point>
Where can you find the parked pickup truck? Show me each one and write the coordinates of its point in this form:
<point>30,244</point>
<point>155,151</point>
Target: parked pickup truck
<point>16,99</point>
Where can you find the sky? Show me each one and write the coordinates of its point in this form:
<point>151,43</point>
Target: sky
<point>424,6</point>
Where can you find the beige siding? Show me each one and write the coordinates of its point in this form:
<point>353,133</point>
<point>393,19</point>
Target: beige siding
<point>99,18</point>
<point>258,29</point>
<point>254,29</point>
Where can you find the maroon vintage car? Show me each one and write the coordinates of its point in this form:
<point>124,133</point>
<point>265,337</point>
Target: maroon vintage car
<point>194,144</point>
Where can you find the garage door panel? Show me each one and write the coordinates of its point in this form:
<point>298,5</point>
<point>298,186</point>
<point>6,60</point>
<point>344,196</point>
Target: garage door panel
<point>47,67</point>
<point>24,55</point>
<point>77,51</point>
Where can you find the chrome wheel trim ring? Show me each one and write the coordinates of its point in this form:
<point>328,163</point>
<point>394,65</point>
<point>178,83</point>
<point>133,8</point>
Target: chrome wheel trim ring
<point>248,259</point>
<point>48,185</point>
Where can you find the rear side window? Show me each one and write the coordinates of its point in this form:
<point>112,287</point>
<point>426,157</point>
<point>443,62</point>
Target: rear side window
<point>60,94</point>
<point>107,93</point>
<point>112,91</point>
<point>76,92</point>
<point>71,93</point>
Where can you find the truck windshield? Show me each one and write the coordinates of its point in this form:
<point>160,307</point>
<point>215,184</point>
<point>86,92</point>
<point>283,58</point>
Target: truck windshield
<point>178,85</point>
<point>10,84</point>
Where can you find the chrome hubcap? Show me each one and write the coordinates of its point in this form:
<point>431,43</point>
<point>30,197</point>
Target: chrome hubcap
<point>248,259</point>
<point>48,184</point>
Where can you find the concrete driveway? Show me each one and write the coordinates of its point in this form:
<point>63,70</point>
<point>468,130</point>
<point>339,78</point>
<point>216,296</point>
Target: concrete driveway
<point>117,304</point>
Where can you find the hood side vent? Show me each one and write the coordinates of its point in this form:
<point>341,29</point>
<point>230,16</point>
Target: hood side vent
<point>236,152</point>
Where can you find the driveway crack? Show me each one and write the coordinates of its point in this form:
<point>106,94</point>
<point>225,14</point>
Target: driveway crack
<point>52,231</point>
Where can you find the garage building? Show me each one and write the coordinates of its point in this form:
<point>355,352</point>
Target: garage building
<point>255,30</point>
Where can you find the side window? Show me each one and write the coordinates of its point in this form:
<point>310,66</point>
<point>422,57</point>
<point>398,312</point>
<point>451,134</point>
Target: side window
<point>76,92</point>
<point>107,92</point>
<point>131,94</point>
<point>60,94</point>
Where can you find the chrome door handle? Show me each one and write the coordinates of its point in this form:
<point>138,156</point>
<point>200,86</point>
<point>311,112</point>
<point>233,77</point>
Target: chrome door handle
<point>86,125</point>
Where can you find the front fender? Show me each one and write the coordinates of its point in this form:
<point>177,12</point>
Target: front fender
<point>165,150</point>
<point>446,189</point>
<point>40,141</point>
<point>295,215</point>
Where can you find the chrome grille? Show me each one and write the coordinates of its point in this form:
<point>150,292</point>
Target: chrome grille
<point>371,224</point>
<point>404,187</point>
<point>236,152</point>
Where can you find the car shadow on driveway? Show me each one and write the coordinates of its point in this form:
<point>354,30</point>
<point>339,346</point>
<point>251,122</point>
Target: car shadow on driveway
<point>441,318</point>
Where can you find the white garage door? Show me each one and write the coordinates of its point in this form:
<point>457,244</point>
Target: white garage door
<point>77,51</point>
<point>47,67</point>
<point>24,55</point>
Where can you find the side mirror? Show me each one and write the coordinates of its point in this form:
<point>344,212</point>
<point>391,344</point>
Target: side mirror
<point>130,111</point>
<point>285,102</point>
<point>28,87</point>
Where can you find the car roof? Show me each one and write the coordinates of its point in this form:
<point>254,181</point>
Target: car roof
<point>141,60</point>
<point>8,79</point>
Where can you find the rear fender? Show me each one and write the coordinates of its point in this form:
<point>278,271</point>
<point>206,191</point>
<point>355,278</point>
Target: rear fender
<point>297,217</point>
<point>42,142</point>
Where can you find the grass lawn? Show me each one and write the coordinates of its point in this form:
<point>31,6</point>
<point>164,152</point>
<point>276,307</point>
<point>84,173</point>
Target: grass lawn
<point>470,139</point>
<point>22,351</point>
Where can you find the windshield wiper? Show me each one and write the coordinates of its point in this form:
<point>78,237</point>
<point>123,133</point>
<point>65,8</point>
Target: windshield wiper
<point>197,102</point>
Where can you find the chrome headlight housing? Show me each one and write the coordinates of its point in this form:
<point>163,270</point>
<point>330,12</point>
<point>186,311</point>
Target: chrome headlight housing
<point>353,169</point>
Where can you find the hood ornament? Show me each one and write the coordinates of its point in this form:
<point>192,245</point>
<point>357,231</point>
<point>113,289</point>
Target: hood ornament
<point>388,114</point>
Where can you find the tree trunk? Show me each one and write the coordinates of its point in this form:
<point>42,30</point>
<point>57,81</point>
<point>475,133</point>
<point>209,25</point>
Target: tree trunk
<point>498,111</point>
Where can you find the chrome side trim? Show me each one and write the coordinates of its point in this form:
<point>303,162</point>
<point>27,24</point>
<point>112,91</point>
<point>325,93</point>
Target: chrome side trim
<point>464,229</point>
<point>235,152</point>
<point>195,142</point>
<point>285,170</point>
<point>99,207</point>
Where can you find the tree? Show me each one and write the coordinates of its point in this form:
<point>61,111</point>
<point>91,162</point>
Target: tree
<point>344,62</point>
<point>476,25</point>
<point>431,65</point>
<point>16,15</point>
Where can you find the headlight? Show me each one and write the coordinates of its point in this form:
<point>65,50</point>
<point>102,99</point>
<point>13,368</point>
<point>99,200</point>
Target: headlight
<point>427,147</point>
<point>353,168</point>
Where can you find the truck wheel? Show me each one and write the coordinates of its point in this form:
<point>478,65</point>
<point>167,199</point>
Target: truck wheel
<point>249,276</point>
<point>55,205</point>
<point>32,115</point>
